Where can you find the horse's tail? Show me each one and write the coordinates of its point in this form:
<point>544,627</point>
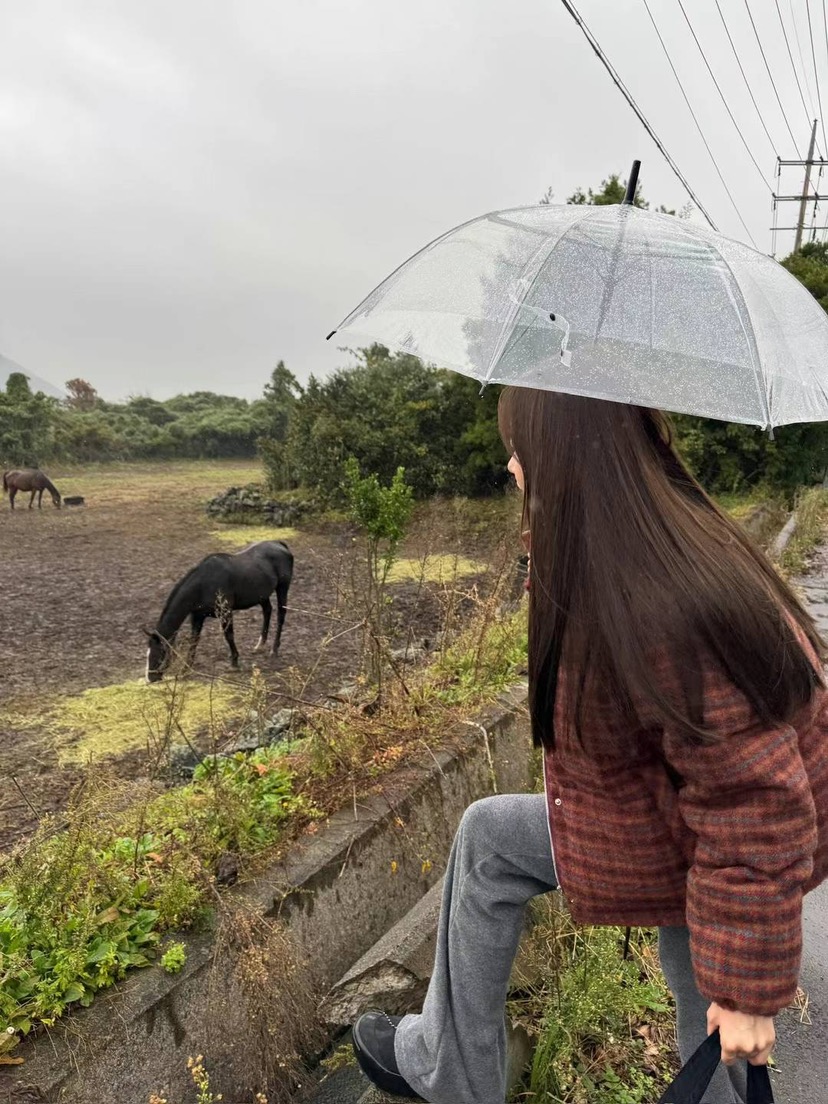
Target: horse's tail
<point>5,482</point>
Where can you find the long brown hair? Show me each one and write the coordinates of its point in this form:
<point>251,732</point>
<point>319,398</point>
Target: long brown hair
<point>631,558</point>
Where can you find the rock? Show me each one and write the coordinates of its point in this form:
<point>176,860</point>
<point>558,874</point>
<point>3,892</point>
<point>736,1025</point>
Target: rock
<point>258,733</point>
<point>182,762</point>
<point>227,869</point>
<point>347,693</point>
<point>249,739</point>
<point>394,973</point>
<point>280,725</point>
<point>251,502</point>
<point>410,654</point>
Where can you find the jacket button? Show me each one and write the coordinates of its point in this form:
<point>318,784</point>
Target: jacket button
<point>558,801</point>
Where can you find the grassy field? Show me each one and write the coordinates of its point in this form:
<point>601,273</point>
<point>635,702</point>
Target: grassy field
<point>83,584</point>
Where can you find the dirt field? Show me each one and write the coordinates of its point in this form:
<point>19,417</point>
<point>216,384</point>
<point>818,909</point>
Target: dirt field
<point>79,585</point>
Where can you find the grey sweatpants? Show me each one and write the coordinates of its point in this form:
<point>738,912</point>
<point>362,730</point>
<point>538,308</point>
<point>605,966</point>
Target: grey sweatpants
<point>454,1052</point>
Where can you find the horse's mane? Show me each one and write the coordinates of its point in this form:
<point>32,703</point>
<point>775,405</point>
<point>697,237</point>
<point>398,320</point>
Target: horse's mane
<point>50,485</point>
<point>176,590</point>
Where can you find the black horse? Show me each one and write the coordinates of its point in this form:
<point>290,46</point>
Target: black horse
<point>216,587</point>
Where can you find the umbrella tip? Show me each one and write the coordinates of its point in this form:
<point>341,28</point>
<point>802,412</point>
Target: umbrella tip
<point>330,335</point>
<point>632,184</point>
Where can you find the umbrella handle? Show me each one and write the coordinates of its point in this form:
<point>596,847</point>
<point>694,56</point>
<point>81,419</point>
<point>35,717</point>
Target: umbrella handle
<point>695,1075</point>
<point>632,184</point>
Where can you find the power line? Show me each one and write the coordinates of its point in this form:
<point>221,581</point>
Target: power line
<point>816,74</point>
<point>747,82</point>
<point>808,114</point>
<point>811,112</point>
<point>722,97</point>
<point>768,68</point>
<point>698,124</point>
<point>628,96</point>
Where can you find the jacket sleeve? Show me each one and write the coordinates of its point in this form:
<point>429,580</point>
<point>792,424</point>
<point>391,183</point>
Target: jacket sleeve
<point>748,800</point>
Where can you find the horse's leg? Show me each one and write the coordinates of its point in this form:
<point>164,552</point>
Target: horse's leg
<point>196,625</point>
<point>12,496</point>
<point>229,636</point>
<point>31,500</point>
<point>281,602</point>
<point>267,610</point>
<point>40,499</point>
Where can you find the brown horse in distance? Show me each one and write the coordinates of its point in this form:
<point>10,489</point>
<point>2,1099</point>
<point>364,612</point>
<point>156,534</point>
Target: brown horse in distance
<point>32,480</point>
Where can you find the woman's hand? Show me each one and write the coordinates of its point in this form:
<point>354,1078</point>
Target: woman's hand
<point>742,1036</point>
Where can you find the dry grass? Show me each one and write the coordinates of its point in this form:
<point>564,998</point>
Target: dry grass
<point>138,482</point>
<point>442,569</point>
<point>272,985</point>
<point>811,522</point>
<point>240,536</point>
<point>123,717</point>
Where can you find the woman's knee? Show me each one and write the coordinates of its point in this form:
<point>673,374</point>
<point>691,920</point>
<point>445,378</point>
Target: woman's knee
<point>500,819</point>
<point>480,815</point>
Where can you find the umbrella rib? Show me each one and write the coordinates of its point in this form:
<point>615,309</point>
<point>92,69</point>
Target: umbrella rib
<point>387,280</point>
<point>750,339</point>
<point>505,331</point>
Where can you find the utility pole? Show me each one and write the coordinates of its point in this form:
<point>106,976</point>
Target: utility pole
<point>802,199</point>
<point>800,226</point>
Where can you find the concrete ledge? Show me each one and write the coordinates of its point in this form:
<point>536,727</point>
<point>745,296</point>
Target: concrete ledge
<point>395,972</point>
<point>335,894</point>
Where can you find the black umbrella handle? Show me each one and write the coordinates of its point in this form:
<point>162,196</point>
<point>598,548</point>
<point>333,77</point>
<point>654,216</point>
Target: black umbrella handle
<point>632,184</point>
<point>693,1078</point>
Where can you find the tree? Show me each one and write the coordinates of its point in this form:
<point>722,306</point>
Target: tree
<point>281,395</point>
<point>26,423</point>
<point>612,190</point>
<point>382,514</point>
<point>81,395</point>
<point>810,266</point>
<point>17,388</point>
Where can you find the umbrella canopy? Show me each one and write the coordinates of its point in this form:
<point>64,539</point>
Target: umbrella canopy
<point>613,302</point>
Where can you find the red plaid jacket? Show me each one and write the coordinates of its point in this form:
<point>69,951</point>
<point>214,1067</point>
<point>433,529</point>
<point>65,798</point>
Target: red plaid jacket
<point>729,848</point>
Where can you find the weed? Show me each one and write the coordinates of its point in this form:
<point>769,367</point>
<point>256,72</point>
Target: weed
<point>174,958</point>
<point>811,520</point>
<point>602,1024</point>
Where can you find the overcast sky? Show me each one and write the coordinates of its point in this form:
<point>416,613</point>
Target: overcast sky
<point>190,191</point>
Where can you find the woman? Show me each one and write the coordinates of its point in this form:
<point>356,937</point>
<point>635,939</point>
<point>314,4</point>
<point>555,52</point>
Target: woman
<point>675,684</point>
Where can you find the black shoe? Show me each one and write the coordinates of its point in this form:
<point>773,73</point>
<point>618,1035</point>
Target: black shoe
<point>374,1048</point>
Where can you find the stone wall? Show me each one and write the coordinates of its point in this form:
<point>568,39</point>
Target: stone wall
<point>335,894</point>
<point>252,503</point>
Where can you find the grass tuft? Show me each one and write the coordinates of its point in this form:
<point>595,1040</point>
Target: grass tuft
<point>602,1025</point>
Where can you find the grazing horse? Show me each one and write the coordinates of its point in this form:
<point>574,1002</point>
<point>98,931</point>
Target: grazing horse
<point>30,479</point>
<point>215,587</point>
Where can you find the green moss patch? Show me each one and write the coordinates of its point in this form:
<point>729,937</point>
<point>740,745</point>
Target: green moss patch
<point>434,569</point>
<point>111,720</point>
<point>239,536</point>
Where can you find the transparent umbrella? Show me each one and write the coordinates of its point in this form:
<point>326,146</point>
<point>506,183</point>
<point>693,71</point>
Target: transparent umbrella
<point>613,302</point>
